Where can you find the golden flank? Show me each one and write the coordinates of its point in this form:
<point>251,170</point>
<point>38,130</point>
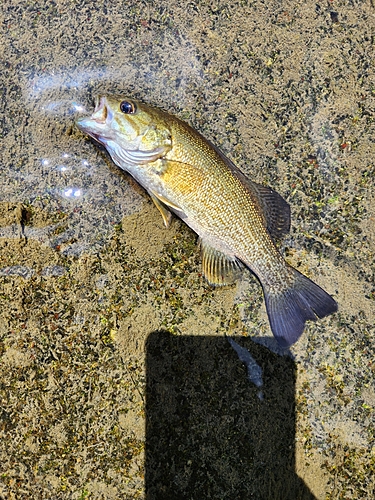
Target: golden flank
<point>236,219</point>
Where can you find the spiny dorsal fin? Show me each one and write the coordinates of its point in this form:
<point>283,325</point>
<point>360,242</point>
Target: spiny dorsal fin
<point>218,268</point>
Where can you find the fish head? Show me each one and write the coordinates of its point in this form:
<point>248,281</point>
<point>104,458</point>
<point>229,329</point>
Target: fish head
<point>132,132</point>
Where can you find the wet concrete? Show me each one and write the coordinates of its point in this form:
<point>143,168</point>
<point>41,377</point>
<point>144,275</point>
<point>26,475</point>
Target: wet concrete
<point>91,405</point>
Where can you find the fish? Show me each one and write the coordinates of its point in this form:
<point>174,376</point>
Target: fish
<point>237,220</point>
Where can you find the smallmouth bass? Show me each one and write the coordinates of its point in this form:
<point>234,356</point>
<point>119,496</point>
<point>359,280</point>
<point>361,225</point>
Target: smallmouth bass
<point>235,218</point>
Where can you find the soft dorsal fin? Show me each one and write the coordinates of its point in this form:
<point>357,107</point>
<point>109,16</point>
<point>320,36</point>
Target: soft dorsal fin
<point>275,209</point>
<point>219,268</point>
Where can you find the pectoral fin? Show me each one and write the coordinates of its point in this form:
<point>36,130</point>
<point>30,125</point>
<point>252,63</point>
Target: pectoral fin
<point>219,268</point>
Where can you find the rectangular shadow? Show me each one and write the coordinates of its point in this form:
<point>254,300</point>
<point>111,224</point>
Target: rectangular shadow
<point>210,433</point>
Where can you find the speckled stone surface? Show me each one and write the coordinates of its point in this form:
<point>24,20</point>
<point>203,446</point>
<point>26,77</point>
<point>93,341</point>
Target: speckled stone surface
<point>116,377</point>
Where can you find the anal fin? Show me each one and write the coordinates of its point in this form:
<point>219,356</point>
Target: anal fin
<point>219,268</point>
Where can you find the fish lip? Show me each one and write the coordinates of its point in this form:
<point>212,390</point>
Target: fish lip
<point>101,113</point>
<point>100,120</point>
<point>99,103</point>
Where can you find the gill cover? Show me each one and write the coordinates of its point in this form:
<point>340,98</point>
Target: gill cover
<point>128,129</point>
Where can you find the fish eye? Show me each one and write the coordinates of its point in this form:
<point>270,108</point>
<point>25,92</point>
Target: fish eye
<point>128,108</point>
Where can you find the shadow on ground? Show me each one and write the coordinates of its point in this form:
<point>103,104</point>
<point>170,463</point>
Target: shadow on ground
<point>210,433</point>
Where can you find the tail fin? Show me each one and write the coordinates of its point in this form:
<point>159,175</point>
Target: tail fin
<point>289,310</point>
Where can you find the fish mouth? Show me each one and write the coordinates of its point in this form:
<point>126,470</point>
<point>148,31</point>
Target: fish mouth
<point>102,113</point>
<point>100,107</point>
<point>96,124</point>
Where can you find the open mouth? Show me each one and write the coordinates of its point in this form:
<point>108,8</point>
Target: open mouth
<point>98,123</point>
<point>100,114</point>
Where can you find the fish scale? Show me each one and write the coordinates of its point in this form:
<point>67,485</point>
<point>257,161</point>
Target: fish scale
<point>237,220</point>
<point>225,204</point>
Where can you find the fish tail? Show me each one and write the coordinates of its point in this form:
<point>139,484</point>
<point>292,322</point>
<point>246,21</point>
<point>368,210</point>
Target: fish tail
<point>288,310</point>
